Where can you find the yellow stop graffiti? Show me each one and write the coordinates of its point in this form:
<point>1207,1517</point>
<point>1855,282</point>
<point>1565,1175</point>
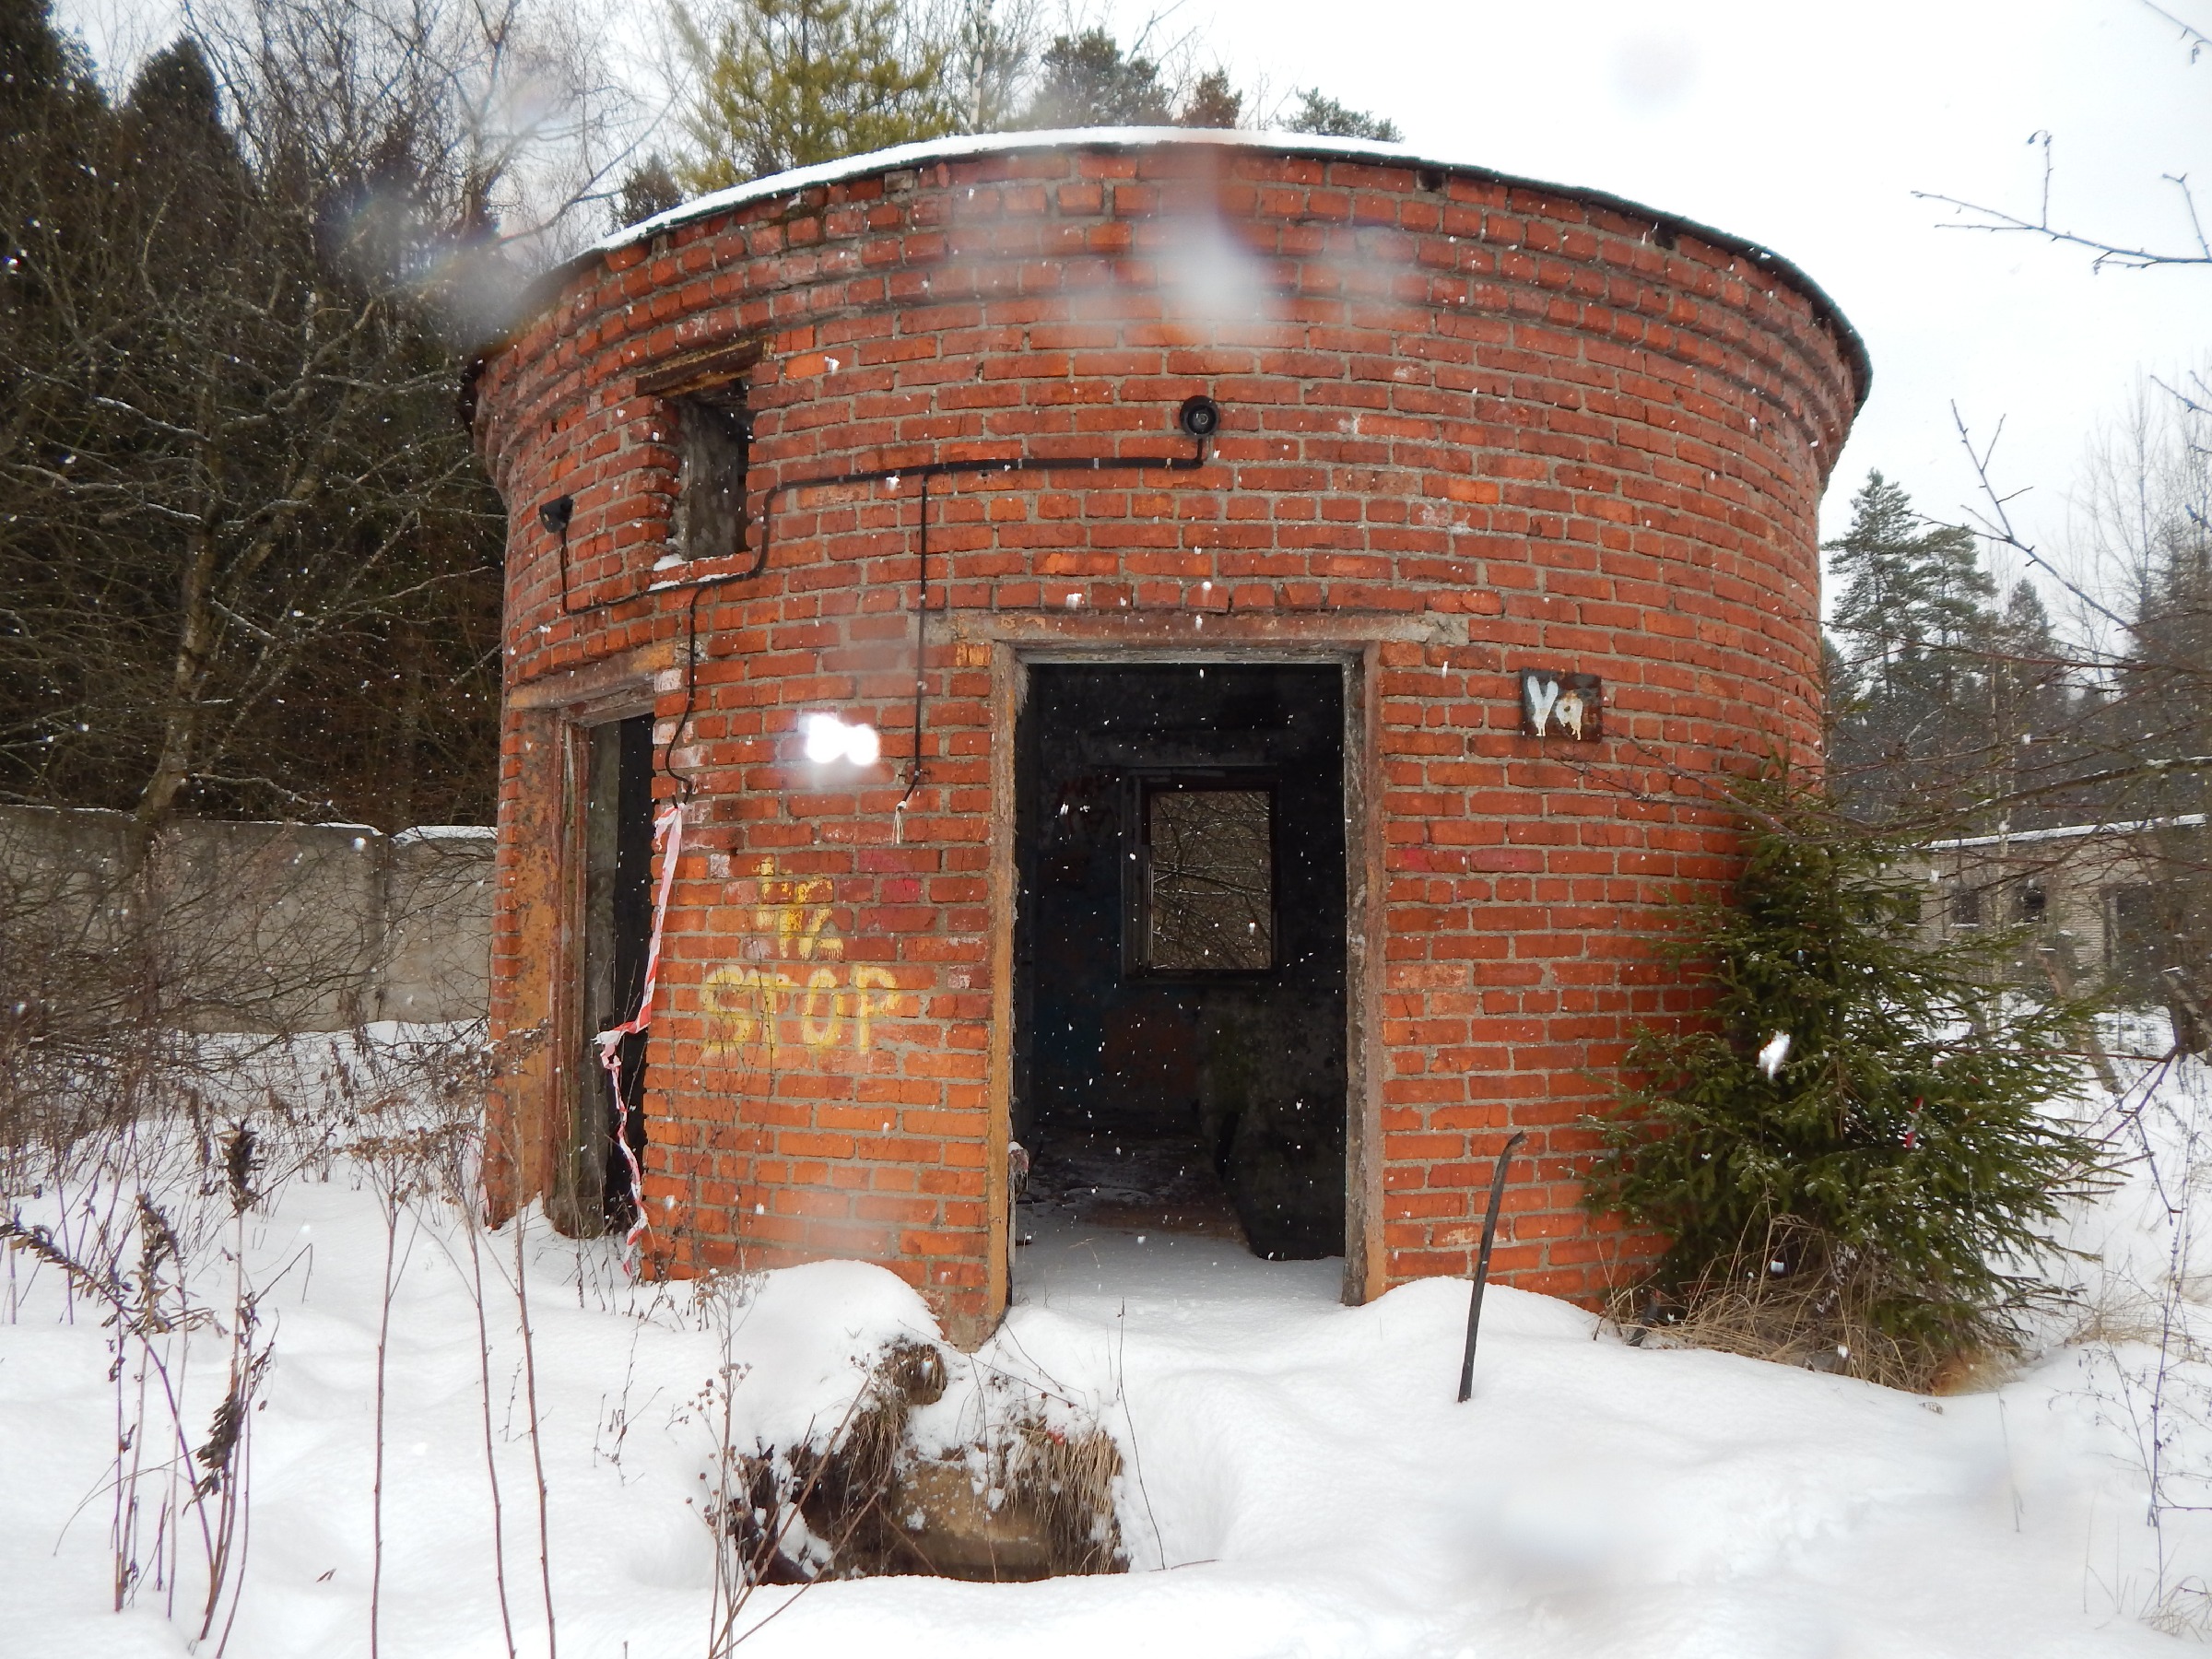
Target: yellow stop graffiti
<point>792,977</point>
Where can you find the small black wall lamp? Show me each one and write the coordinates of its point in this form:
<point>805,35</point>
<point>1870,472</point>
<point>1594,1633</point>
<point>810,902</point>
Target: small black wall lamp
<point>1200,416</point>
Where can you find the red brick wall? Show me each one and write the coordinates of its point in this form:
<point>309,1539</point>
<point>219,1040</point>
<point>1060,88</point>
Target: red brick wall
<point>1468,425</point>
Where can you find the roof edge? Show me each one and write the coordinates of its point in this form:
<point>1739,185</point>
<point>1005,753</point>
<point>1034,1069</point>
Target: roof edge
<point>961,147</point>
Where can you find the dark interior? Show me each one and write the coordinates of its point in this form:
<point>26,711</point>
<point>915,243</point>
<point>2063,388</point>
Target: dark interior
<point>1180,943</point>
<point>618,928</point>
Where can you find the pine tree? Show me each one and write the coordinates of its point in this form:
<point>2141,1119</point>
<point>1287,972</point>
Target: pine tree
<point>1911,622</point>
<point>1908,590</point>
<point>1857,1151</point>
<point>1088,80</point>
<point>1325,116</point>
<point>788,83</point>
<point>1213,102</point>
<point>647,190</point>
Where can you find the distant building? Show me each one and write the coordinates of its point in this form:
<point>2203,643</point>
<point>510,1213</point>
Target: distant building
<point>2118,900</point>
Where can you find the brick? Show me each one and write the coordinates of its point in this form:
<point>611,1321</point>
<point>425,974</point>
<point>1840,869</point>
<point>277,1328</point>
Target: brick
<point>1520,420</point>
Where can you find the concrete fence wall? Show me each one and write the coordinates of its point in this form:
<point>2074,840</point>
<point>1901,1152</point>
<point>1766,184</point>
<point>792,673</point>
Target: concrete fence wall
<point>252,926</point>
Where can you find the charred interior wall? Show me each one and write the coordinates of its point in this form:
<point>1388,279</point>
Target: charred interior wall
<point>1469,425</point>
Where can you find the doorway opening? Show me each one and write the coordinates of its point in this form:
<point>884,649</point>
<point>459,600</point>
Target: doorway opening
<point>1180,953</point>
<point>617,909</point>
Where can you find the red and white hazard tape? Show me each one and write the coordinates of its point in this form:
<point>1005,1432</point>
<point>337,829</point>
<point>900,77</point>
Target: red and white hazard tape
<point>668,839</point>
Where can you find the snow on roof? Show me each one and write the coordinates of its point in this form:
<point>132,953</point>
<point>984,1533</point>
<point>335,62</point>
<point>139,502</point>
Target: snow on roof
<point>973,145</point>
<point>2187,820</point>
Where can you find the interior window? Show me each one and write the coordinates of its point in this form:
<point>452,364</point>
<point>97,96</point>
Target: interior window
<point>1209,880</point>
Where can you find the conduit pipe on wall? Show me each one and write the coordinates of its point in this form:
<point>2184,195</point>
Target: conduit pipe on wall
<point>1199,418</point>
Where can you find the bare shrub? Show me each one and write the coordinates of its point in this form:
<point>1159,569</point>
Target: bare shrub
<point>2147,1344</point>
<point>133,1151</point>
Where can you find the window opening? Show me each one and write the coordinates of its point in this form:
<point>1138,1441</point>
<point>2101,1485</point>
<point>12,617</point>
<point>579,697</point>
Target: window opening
<point>2132,947</point>
<point>1966,906</point>
<point>714,436</point>
<point>1208,888</point>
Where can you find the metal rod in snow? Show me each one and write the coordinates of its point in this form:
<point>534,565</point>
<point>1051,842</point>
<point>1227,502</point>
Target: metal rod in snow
<point>1482,1263</point>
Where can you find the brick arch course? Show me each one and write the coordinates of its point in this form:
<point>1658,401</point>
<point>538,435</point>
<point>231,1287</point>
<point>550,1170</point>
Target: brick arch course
<point>1469,423</point>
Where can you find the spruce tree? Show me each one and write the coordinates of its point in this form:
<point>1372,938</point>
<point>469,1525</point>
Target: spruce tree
<point>1325,117</point>
<point>780,84</point>
<point>2036,715</point>
<point>1854,1157</point>
<point>2164,692</point>
<point>2156,731</point>
<point>1910,623</point>
<point>1088,80</point>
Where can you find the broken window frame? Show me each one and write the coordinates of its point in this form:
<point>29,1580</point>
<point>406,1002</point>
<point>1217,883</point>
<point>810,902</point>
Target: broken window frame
<point>2134,929</point>
<point>1963,905</point>
<point>715,434</point>
<point>1138,875</point>
<point>705,395</point>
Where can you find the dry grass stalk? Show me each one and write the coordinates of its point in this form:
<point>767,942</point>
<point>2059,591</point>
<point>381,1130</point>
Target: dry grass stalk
<point>1067,1480</point>
<point>1792,1300</point>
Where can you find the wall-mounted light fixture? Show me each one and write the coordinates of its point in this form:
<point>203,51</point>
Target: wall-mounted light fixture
<point>1200,416</point>
<point>555,514</point>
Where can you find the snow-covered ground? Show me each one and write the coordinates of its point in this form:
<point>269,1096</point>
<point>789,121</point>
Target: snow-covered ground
<point>1298,1477</point>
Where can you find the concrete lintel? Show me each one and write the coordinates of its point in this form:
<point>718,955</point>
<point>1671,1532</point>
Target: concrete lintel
<point>1183,632</point>
<point>594,682</point>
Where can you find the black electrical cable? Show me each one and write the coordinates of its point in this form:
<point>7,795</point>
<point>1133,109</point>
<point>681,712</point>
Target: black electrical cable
<point>686,785</point>
<point>913,766</point>
<point>562,509</point>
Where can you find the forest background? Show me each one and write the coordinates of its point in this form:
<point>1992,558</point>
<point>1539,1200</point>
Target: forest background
<point>253,565</point>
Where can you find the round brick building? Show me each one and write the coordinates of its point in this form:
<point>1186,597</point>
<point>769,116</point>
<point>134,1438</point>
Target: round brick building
<point>1199,648</point>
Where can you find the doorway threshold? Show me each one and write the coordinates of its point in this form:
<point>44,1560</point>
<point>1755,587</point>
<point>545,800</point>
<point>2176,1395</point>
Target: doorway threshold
<point>1116,1226</point>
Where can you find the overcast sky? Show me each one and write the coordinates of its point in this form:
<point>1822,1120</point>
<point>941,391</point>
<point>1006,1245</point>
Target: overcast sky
<point>1807,127</point>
